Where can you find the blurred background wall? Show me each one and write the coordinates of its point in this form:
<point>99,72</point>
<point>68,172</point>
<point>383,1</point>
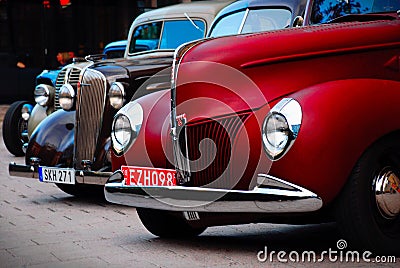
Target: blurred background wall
<point>32,32</point>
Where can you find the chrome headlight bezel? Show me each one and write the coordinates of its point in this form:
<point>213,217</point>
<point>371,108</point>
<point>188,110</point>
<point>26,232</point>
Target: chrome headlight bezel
<point>116,95</point>
<point>43,94</point>
<point>66,97</point>
<point>281,127</point>
<point>132,113</point>
<point>26,111</point>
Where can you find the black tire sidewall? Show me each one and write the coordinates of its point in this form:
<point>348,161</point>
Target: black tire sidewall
<point>11,135</point>
<point>357,212</point>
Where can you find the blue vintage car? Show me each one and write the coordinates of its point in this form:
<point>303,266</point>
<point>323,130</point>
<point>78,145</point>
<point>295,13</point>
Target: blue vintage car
<point>19,122</point>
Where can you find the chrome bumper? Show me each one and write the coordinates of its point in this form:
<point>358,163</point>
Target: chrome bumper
<point>81,176</point>
<point>272,195</point>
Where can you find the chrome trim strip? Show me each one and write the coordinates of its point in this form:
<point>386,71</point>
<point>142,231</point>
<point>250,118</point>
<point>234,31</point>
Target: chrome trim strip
<point>81,176</point>
<point>180,198</point>
<point>92,177</point>
<point>243,20</point>
<point>17,170</point>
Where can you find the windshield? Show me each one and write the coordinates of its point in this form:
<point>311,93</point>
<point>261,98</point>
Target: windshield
<point>166,34</point>
<point>252,21</point>
<point>327,10</point>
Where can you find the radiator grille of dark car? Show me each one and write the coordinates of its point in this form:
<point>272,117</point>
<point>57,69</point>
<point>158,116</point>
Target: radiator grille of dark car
<point>66,76</point>
<point>222,132</point>
<point>89,114</point>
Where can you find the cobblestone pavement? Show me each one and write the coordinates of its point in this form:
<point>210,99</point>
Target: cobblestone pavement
<point>40,226</point>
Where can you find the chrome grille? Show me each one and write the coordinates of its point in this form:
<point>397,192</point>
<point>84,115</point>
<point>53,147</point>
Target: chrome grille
<point>66,75</point>
<point>203,169</point>
<point>89,114</point>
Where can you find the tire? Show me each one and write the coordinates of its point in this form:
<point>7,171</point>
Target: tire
<point>13,126</point>
<point>365,218</point>
<point>166,225</point>
<point>83,191</point>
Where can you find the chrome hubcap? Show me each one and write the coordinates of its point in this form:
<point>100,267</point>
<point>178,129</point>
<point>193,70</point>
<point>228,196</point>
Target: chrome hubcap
<point>387,193</point>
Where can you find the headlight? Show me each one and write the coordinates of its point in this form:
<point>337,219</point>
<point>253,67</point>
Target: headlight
<point>66,97</point>
<point>281,127</point>
<point>116,95</point>
<point>126,126</point>
<point>26,111</point>
<point>42,94</point>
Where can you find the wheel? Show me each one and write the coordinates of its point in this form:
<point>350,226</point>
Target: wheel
<point>164,224</point>
<point>15,128</point>
<point>368,209</point>
<point>83,191</point>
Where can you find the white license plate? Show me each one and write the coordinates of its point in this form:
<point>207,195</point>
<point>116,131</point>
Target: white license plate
<point>57,175</point>
<point>145,176</point>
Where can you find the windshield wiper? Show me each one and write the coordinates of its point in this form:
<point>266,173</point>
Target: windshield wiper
<point>192,22</point>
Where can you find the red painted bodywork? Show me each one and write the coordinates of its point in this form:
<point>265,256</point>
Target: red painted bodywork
<point>345,76</point>
<point>152,147</point>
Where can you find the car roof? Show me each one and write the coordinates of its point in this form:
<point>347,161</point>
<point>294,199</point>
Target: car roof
<point>178,10</point>
<point>243,4</point>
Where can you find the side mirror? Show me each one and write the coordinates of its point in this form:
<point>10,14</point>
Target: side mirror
<point>298,21</point>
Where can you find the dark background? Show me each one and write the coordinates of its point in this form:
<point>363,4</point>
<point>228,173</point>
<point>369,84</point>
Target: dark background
<point>34,31</point>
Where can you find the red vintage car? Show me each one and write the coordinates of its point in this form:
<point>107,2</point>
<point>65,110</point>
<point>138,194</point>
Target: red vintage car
<point>296,125</point>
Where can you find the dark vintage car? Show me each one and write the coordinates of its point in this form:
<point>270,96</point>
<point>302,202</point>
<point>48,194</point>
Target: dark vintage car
<point>23,116</point>
<point>303,127</point>
<point>71,147</point>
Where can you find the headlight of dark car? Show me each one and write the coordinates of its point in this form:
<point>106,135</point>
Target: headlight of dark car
<point>116,95</point>
<point>43,94</point>
<point>126,126</point>
<point>66,97</point>
<point>281,127</point>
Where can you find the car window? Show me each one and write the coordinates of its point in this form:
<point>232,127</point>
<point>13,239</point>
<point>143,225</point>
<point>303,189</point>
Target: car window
<point>256,20</point>
<point>172,34</point>
<point>149,33</point>
<point>326,10</point>
<point>228,25</point>
<point>178,32</point>
<point>260,20</point>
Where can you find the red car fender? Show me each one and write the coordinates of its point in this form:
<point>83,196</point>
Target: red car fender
<point>340,120</point>
<point>153,146</point>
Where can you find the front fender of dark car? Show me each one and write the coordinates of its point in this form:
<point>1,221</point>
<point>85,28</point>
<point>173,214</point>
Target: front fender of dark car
<point>53,140</point>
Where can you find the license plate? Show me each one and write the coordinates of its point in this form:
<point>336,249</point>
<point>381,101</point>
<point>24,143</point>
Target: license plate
<point>144,176</point>
<point>57,175</point>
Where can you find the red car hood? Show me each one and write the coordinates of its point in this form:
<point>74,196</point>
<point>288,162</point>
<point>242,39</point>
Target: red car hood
<point>238,73</point>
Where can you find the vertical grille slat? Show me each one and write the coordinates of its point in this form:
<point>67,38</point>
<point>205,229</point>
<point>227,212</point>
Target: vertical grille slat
<point>89,115</point>
<point>67,75</point>
<point>221,132</point>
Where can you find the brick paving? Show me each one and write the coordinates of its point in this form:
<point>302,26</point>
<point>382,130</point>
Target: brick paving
<point>40,226</point>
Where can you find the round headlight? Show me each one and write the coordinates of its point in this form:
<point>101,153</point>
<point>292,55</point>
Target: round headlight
<point>276,134</point>
<point>26,111</point>
<point>42,94</point>
<point>281,127</point>
<point>116,95</point>
<point>126,127</point>
<point>122,132</point>
<point>66,97</point>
